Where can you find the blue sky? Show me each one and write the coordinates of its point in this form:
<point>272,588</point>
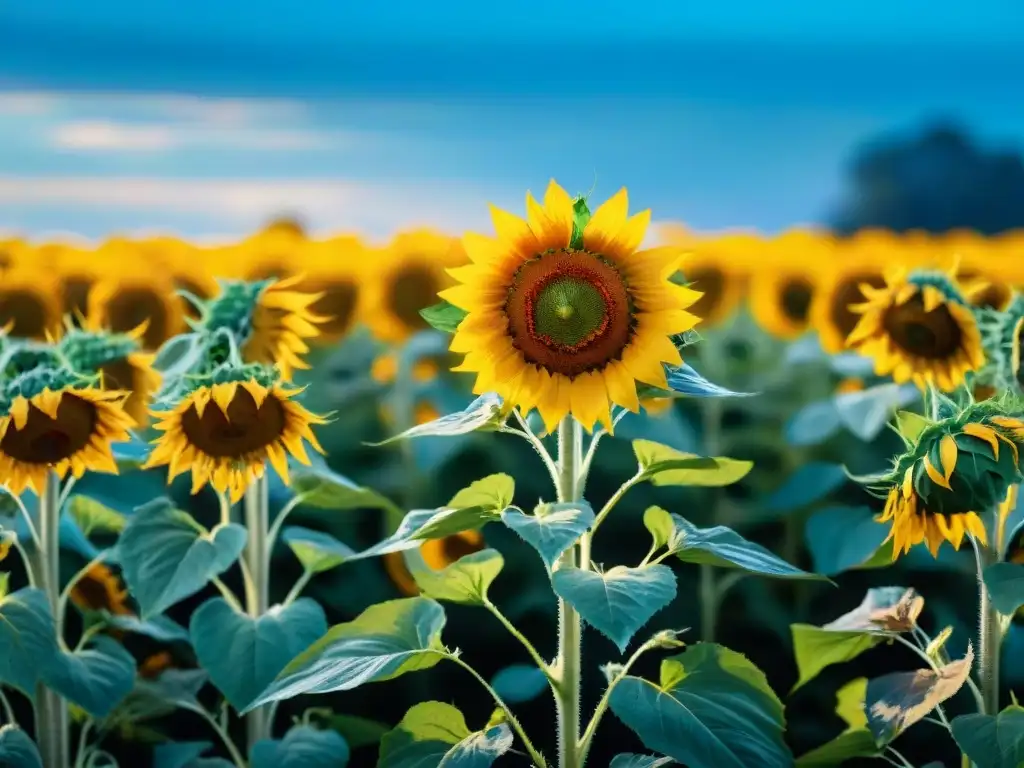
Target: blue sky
<point>207,118</point>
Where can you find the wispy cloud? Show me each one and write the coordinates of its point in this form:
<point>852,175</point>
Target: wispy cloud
<point>112,136</point>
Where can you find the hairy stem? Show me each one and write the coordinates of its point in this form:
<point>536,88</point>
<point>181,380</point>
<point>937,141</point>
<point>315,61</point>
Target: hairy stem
<point>990,633</point>
<point>257,561</point>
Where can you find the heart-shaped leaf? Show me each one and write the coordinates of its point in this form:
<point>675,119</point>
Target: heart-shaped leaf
<point>812,424</point>
<point>173,689</point>
<point>159,628</point>
<point>552,528</point>
<point>384,641</point>
<point>302,747</point>
<point>320,487</point>
<point>423,524</point>
<point>844,538</point>
<point>1005,585</point>
<point>28,638</point>
<point>96,678</point>
<point>493,493</point>
<point>435,734</point>
<point>711,709</point>
<point>867,412</point>
<point>167,556</point>
<point>187,754</point>
<point>855,741</point>
<point>519,683</point>
<point>718,546</point>
<point>662,465</point>
<point>92,516</point>
<point>483,414</point>
<point>17,749</point>
<point>464,581</point>
<point>316,550</point>
<point>992,741</point>
<point>810,483</point>
<point>619,601</point>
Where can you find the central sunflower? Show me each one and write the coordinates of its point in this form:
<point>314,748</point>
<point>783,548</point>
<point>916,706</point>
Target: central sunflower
<point>918,328</point>
<point>783,288</point>
<point>564,314</point>
<point>228,427</point>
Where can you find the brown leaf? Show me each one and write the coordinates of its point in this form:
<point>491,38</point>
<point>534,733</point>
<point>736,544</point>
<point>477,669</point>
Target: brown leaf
<point>893,609</point>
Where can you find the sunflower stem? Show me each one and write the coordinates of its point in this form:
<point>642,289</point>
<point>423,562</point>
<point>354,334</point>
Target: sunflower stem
<point>52,721</point>
<point>567,664</point>
<point>990,632</point>
<point>711,424</point>
<point>257,561</point>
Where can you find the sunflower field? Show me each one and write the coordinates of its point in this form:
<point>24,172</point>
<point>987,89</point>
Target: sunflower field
<point>547,496</point>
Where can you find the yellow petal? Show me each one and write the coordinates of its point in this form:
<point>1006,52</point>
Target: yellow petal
<point>936,476</point>
<point>987,434</point>
<point>606,222</point>
<point>19,412</point>
<point>223,394</point>
<point>947,455</point>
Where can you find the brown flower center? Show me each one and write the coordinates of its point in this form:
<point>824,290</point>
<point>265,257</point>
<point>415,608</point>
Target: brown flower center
<point>996,295</point>
<point>245,429</point>
<point>460,545</point>
<point>99,589</point>
<point>131,307</point>
<point>933,335</point>
<point>26,310</point>
<point>338,304</point>
<point>120,374</point>
<point>44,440</point>
<point>710,281</point>
<point>75,295</point>
<point>848,292</point>
<point>795,299</point>
<point>413,288</point>
<point>569,312</point>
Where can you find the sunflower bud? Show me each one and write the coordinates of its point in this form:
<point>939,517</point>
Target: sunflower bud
<point>1003,339</point>
<point>957,467</point>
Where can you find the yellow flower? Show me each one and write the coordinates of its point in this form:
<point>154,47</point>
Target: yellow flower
<point>272,252</point>
<point>29,295</point>
<point>191,268</point>
<point>384,369</point>
<point>568,326</point>
<point>100,589</point>
<point>134,374</point>
<point>657,406</point>
<point>64,430</point>
<point>782,286</point>
<point>336,270</point>
<point>977,270</point>
<point>407,276</point>
<point>7,539</point>
<point>281,321</point>
<point>849,385</point>
<point>225,433</point>
<point>716,267</point>
<point>918,328</point>
<point>437,553</point>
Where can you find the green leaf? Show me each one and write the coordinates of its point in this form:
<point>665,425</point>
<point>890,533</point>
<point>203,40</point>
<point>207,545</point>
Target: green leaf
<point>28,638</point>
<point>580,219</point>
<point>619,601</point>
<point>302,747</point>
<point>5,578</point>
<point>464,581</point>
<point>482,415</point>
<point>992,741</point>
<point>316,550</point>
<point>552,528</point>
<point>662,465</point>
<point>357,731</point>
<point>167,556</point>
<point>719,546</point>
<point>151,699</point>
<point>92,516</point>
<point>628,760</point>
<point>384,641</point>
<point>187,754</point>
<point>866,413</point>
<point>130,454</point>
<point>96,678</point>
<point>910,425</point>
<point>897,701</point>
<point>443,316</point>
<point>711,709</point>
<point>1005,585</point>
<point>847,745</point>
<point>492,493</point>
<point>850,703</point>
<point>817,648</point>
<point>243,655</point>
<point>435,734</point>
<point>422,524</point>
<point>811,483</point>
<point>845,538</point>
<point>159,628</point>
<point>17,749</point>
<point>324,489</point>
<point>519,683</point>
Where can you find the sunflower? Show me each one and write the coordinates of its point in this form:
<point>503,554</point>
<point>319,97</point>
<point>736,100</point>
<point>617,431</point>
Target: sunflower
<point>956,467</point>
<point>408,275</point>
<point>918,328</point>
<point>7,540</point>
<point>272,253</point>
<point>436,553</point>
<point>76,272</point>
<point>717,267</point>
<point>564,314</point>
<point>50,420</point>
<point>131,293</point>
<point>973,255</point>
<point>100,589</point>
<point>29,297</point>
<point>384,368</point>
<point>657,406</point>
<point>335,270</point>
<point>782,287</point>
<point>192,269</point>
<point>229,425</point>
<point>849,385</point>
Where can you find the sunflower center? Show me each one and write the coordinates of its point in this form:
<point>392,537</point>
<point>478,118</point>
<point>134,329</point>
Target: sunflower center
<point>131,307</point>
<point>27,312</point>
<point>796,299</point>
<point>339,304</point>
<point>246,427</point>
<point>44,440</point>
<point>710,281</point>
<point>75,295</point>
<point>934,335</point>
<point>569,312</point>
<point>455,547</point>
<point>848,292</point>
<point>994,296</point>
<point>413,288</point>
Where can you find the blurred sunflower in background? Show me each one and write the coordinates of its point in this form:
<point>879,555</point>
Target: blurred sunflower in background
<point>100,589</point>
<point>436,553</point>
<point>919,328</point>
<point>29,293</point>
<point>229,425</point>
<point>407,276</point>
<point>977,271</point>
<point>336,270</point>
<point>716,267</point>
<point>192,269</point>
<point>783,285</point>
<point>271,252</point>
<point>565,323</point>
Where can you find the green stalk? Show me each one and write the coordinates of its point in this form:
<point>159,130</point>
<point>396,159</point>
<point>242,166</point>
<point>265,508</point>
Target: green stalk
<point>709,594</point>
<point>258,723</point>
<point>990,634</point>
<point>567,665</point>
<point>52,720</point>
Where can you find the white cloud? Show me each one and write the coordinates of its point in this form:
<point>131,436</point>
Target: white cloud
<point>112,136</point>
<point>100,135</point>
<point>26,103</point>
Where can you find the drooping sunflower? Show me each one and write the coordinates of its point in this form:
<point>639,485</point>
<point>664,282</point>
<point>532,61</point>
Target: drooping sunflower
<point>918,328</point>
<point>29,295</point>
<point>269,318</point>
<point>718,267</point>
<point>52,419</point>
<point>408,275</point>
<point>228,425</point>
<point>336,270</point>
<point>954,470</point>
<point>436,553</point>
<point>100,589</point>
<point>564,313</point>
<point>783,284</point>
<point>119,361</point>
